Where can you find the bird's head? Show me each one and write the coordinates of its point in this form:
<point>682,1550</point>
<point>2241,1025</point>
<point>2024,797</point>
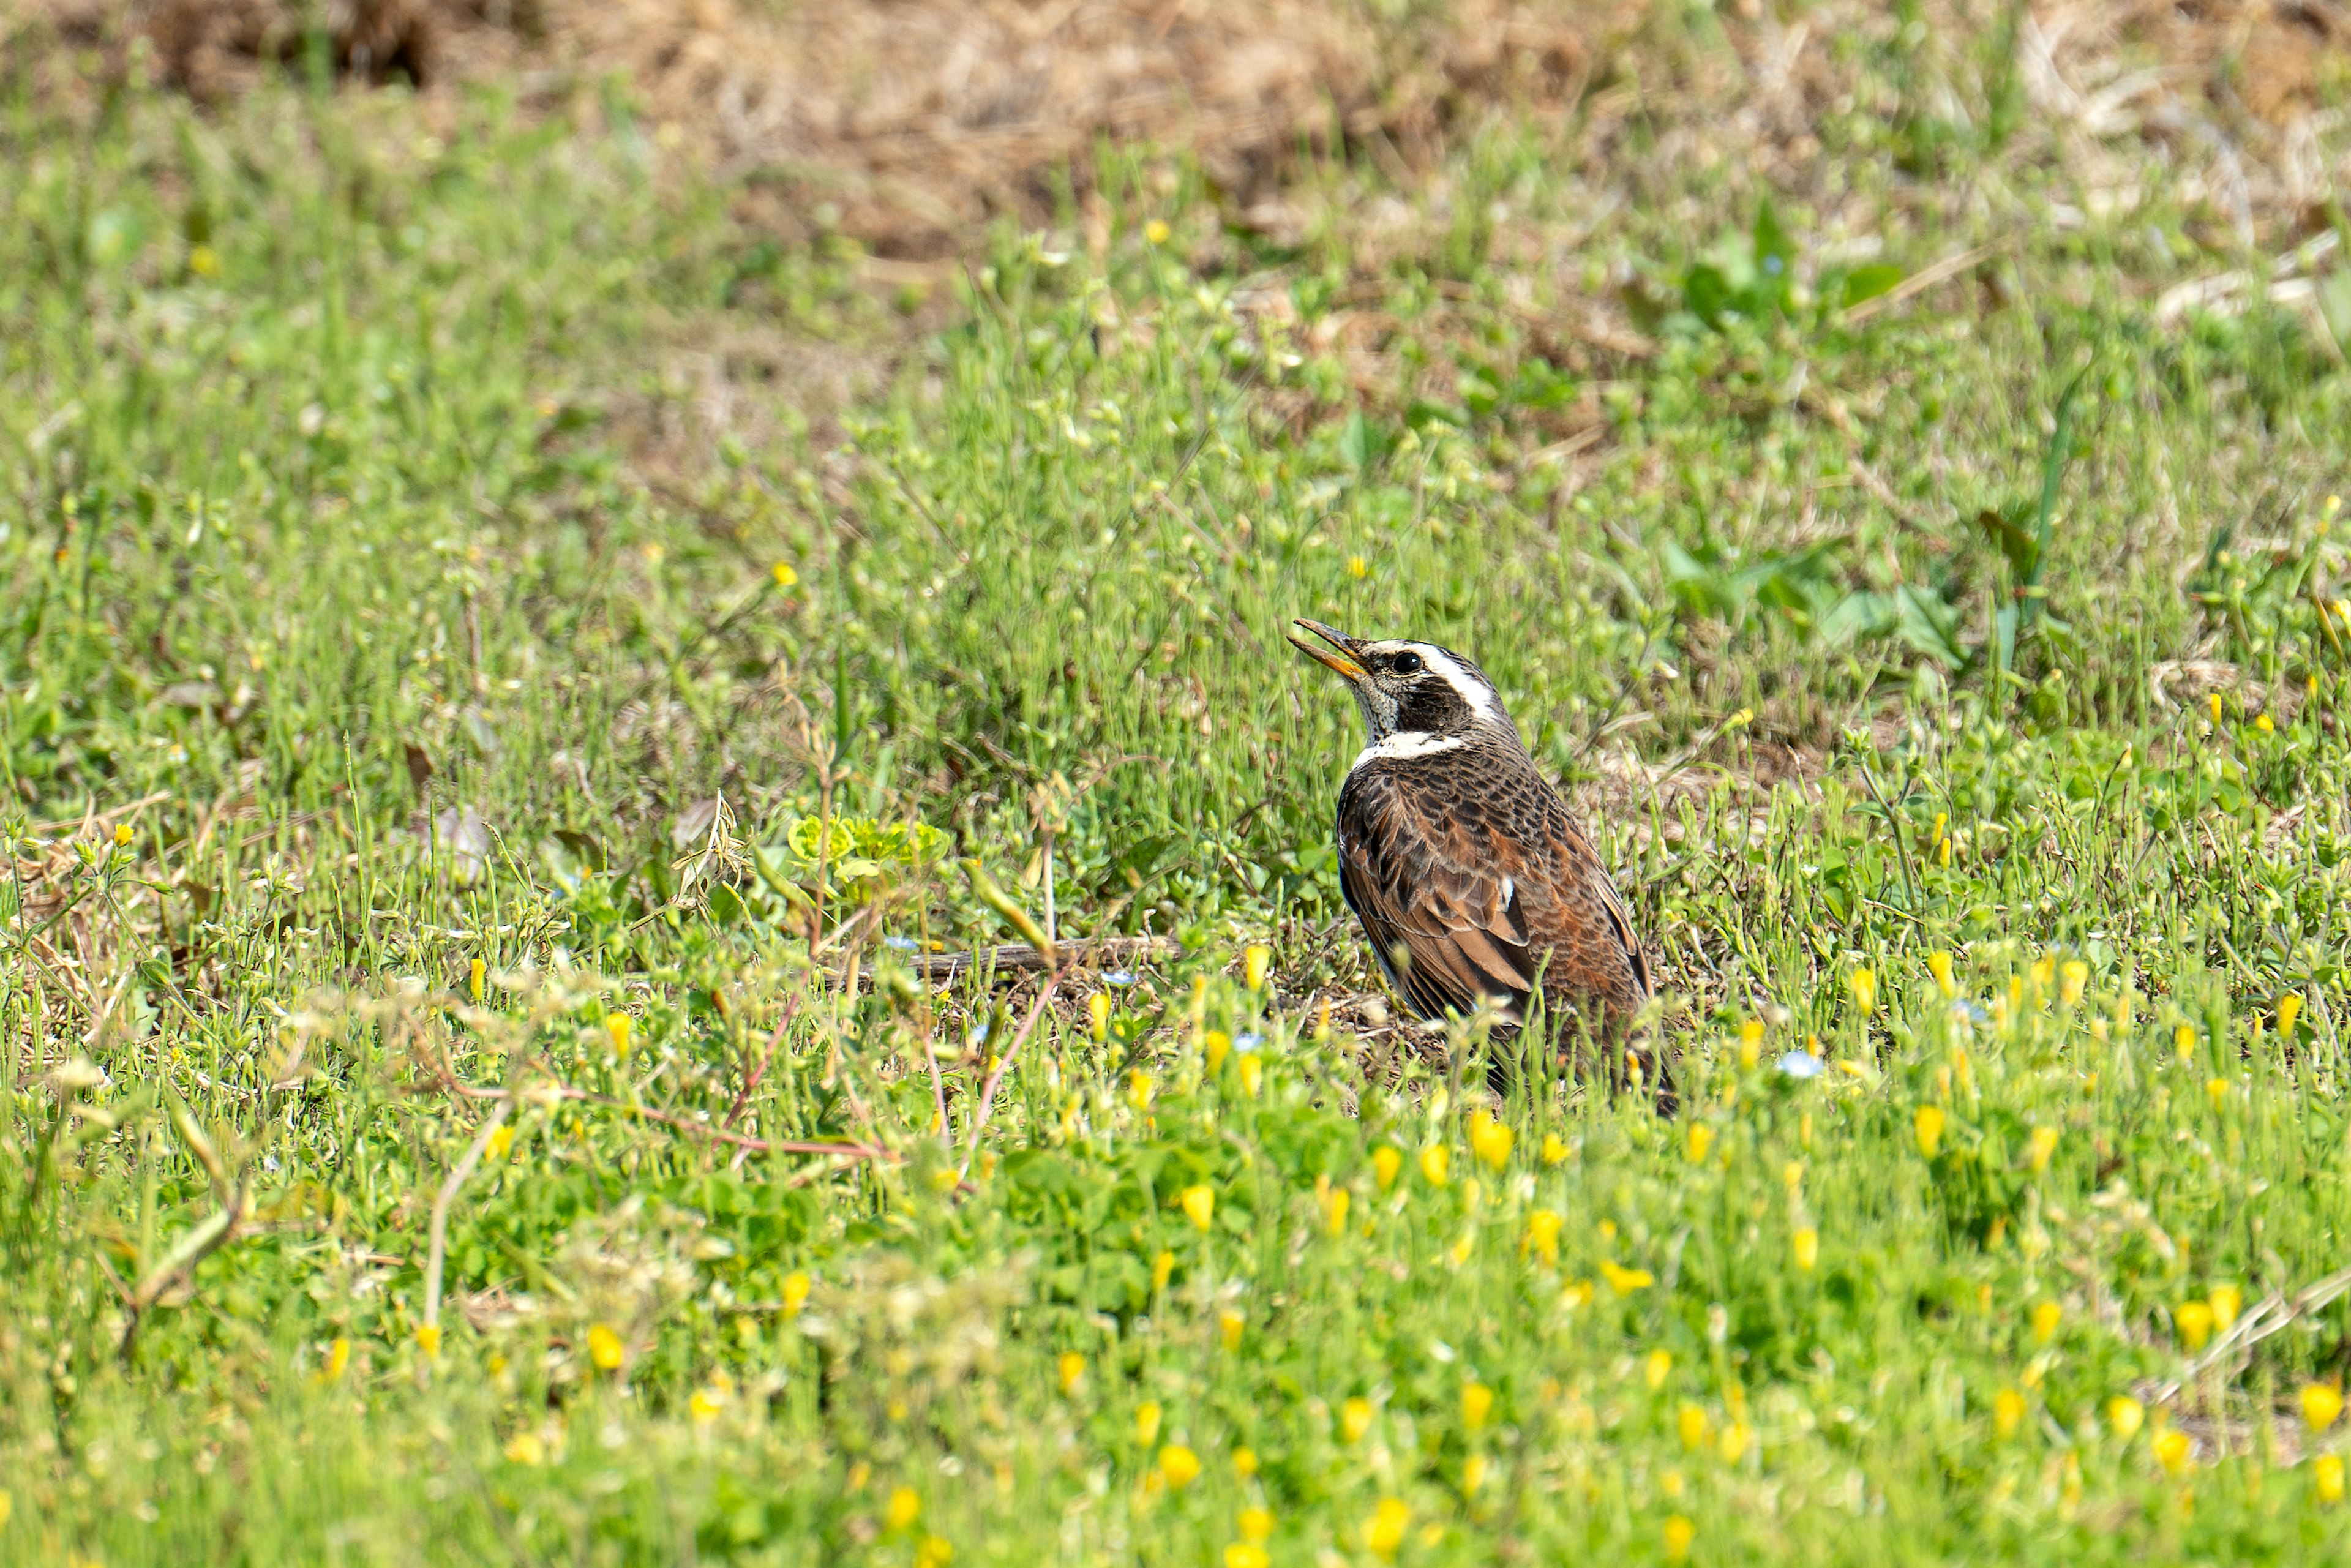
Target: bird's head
<point>1407,688</point>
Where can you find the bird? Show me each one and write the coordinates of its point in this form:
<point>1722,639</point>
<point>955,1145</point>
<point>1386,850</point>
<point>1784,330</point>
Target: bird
<point>1464,866</point>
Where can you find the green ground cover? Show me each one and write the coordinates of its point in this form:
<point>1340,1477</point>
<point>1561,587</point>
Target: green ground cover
<point>445,697</point>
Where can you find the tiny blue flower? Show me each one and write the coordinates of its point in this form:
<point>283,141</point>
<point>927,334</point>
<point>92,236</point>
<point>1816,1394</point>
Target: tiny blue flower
<point>1774,266</point>
<point>1802,1064</point>
<point>903,944</point>
<point>1117,977</point>
<point>1247,1041</point>
<point>979,1035</point>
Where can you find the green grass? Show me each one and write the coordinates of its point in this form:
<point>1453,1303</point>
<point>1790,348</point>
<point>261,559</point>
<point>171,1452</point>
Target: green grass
<point>388,551</point>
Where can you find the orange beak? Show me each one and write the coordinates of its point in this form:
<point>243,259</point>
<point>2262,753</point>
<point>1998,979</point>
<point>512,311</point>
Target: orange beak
<point>1343,661</point>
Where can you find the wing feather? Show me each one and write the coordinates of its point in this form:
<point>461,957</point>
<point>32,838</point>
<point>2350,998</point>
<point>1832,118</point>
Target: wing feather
<point>1458,904</point>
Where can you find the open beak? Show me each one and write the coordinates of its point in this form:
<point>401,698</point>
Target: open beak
<point>1343,661</point>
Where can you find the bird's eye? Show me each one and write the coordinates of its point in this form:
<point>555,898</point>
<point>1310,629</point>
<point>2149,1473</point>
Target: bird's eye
<point>1407,664</point>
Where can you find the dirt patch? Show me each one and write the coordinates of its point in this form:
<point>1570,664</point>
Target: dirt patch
<point>909,121</point>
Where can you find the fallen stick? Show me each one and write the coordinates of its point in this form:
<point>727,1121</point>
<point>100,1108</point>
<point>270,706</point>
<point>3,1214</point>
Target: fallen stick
<point>1022,957</point>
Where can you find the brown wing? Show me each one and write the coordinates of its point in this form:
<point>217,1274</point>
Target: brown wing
<point>1478,901</point>
<point>1436,900</point>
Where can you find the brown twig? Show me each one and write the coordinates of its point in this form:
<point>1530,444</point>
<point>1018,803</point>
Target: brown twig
<point>2266,1317</point>
<point>1004,1065</point>
<point>438,1253</point>
<point>758,1073</point>
<point>1024,957</point>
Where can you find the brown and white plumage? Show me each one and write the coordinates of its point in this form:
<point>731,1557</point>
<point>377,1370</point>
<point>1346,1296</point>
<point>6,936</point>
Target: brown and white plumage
<point>1464,865</point>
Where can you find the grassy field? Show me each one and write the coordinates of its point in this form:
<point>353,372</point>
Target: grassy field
<point>489,746</point>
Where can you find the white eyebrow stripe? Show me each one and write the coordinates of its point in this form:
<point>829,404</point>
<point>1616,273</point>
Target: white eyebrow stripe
<point>1405,745</point>
<point>1465,687</point>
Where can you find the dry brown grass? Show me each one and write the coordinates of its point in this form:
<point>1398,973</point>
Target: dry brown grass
<point>907,124</point>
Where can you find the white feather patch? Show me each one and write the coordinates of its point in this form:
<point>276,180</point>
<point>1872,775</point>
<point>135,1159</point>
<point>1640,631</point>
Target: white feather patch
<point>1405,745</point>
<point>1466,686</point>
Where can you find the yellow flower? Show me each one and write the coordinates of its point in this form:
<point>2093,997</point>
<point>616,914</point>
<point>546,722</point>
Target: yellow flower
<point>1655,1367</point>
<point>1098,1015</point>
<point>122,836</point>
<point>1334,1212</point>
<point>1435,1164</point>
<point>905,1506</point>
<point>2126,1416</point>
<point>1254,961</point>
<point>1199,1205</point>
<point>1354,1419</point>
<point>2008,1408</point>
<point>1247,1555</point>
<point>1163,1269</point>
<point>2215,698</point>
<point>1702,1143</point>
<point>604,1348</point>
<point>525,1448</point>
<point>2046,1316</point>
<point>935,1552</point>
<point>2194,1320</point>
<point>473,972</point>
<point>204,261</point>
<point>1229,1327</point>
<point>1146,1422</point>
<point>428,1340</point>
<point>1384,1532</point>
<point>2184,1038</point>
<point>1245,1466</point>
<point>796,1292</point>
<point>2226,1302</point>
<point>1577,1294</point>
<point>1180,1465</point>
<point>502,1137</point>
<point>1156,231</point>
<point>1542,1235</point>
<point>2289,1009</point>
<point>1940,965</point>
<point>1473,1475</point>
<point>1736,1436</point>
<point>2044,1145</point>
<point>1358,568</point>
<point>784,575</point>
<point>617,1026</point>
<point>2321,1403</point>
<point>705,1404</point>
<point>1138,1089</point>
<point>2263,723</point>
<point>1690,1421</point>
<point>1863,984</point>
<point>2173,1449</point>
<point>1252,1074</point>
<point>1490,1140</point>
<point>1623,1281</point>
<point>1750,1044</point>
<point>1461,1249</point>
<point>1477,1404</point>
<point>2326,1476</point>
<point>1679,1534</point>
<point>1385,1163</point>
<point>1073,1371</point>
<point>338,1356</point>
<point>1928,1125</point>
<point>2218,1087</point>
<point>2073,979</point>
<point>1217,1043</point>
<point>1807,1245</point>
<point>1554,1149</point>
